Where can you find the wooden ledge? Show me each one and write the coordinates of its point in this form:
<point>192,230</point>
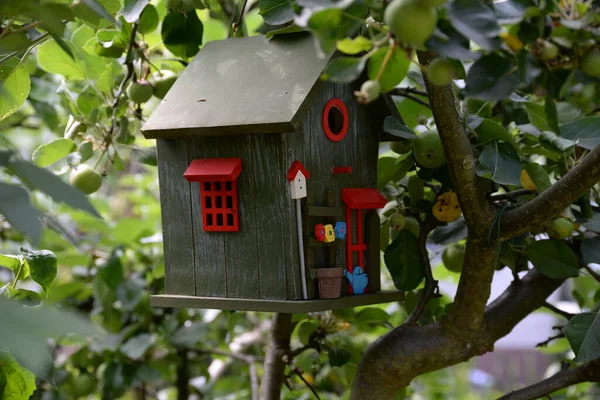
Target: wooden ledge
<point>283,306</point>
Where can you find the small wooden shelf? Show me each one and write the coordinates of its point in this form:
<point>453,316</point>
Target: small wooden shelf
<point>283,306</point>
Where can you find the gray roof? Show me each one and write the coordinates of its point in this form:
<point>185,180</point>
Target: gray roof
<point>241,86</point>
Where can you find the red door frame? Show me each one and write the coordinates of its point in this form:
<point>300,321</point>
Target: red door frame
<point>358,247</point>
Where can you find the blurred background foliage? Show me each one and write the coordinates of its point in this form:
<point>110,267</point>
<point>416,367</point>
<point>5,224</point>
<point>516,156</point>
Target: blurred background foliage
<point>74,91</point>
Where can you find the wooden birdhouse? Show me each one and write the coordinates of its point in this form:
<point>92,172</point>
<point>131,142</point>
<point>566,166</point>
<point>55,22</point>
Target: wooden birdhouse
<point>268,182</point>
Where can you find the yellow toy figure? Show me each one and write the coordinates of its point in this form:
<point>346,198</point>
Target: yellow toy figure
<point>329,233</point>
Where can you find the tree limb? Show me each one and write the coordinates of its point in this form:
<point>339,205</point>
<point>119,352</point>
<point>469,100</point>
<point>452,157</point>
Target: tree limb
<point>554,200</point>
<point>431,284</point>
<point>459,153</point>
<point>557,310</point>
<point>588,372</point>
<point>274,366</point>
<point>408,351</point>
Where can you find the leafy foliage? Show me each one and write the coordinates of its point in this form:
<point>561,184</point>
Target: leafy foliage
<point>65,67</point>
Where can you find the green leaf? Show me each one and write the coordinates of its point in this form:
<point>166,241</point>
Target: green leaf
<point>500,163</point>
<point>132,9</point>
<point>188,336</point>
<point>81,35</point>
<point>583,333</point>
<point>475,21</point>
<point>25,332</point>
<point>344,69</point>
<point>11,262</point>
<point>332,24</point>
<point>403,260</point>
<point>276,12</point>
<point>14,86</point>
<point>489,130</point>
<point>305,330</point>
<point>491,78</point>
<point>111,273</point>
<point>395,70</point>
<point>551,113</point>
<point>585,132</point>
<point>99,9</point>
<point>456,46</point>
<point>136,347</point>
<point>450,233</point>
<point>52,58</point>
<point>42,267</point>
<point>52,185</point>
<point>393,168</point>
<point>590,250</point>
<point>394,126</point>
<point>371,315</point>
<point>16,382</point>
<point>49,153</point>
<point>338,357</point>
<point>18,211</point>
<point>553,258</point>
<point>182,33</point>
<point>148,20</point>
<point>13,43</point>
<point>537,115</point>
<point>284,31</point>
<point>353,46</point>
<point>555,143</point>
<point>538,175</point>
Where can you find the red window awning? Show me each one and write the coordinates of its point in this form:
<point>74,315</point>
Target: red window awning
<point>363,198</point>
<point>213,169</point>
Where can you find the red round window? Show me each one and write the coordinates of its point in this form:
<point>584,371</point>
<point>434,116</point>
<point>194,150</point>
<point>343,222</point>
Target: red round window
<point>335,120</point>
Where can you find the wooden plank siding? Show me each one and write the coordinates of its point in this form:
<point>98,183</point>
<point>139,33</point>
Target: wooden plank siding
<point>271,211</point>
<point>210,264</point>
<point>240,248</point>
<point>176,218</point>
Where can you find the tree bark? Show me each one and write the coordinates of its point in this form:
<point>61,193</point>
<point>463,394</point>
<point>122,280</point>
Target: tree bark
<point>274,366</point>
<point>183,375</point>
<point>588,372</point>
<point>408,351</point>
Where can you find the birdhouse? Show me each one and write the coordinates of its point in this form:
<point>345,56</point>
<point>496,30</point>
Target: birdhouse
<point>254,152</point>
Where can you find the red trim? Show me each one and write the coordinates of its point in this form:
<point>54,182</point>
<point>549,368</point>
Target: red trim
<point>349,244</point>
<point>339,104</point>
<point>293,171</point>
<point>359,239</point>
<point>342,170</point>
<point>213,169</point>
<point>363,198</point>
<point>221,218</point>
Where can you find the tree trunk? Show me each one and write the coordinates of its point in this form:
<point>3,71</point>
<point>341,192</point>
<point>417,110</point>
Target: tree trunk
<point>274,366</point>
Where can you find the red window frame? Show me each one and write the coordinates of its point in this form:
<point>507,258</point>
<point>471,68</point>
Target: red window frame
<point>218,192</point>
<point>335,103</point>
<point>219,206</point>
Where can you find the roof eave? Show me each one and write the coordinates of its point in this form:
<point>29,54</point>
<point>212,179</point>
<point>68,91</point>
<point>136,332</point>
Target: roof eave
<point>234,130</point>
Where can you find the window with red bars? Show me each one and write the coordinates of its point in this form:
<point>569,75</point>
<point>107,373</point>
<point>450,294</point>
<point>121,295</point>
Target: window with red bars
<point>219,206</point>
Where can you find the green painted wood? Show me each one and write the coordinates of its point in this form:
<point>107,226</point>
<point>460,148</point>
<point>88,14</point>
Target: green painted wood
<point>320,211</point>
<point>271,211</point>
<point>265,81</point>
<point>176,213</point>
<point>310,251</point>
<point>372,255</point>
<point>284,306</point>
<point>210,264</point>
<point>240,248</point>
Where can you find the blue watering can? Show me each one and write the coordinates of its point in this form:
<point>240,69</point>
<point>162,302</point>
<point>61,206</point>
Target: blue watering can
<point>358,280</point>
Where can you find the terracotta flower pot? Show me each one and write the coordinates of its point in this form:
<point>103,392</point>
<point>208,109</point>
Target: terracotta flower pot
<point>330,282</point>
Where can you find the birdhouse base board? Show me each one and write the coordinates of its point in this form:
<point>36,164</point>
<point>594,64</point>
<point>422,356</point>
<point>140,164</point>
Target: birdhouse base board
<point>283,306</point>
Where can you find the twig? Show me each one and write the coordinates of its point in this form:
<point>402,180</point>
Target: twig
<point>431,284</point>
<point>237,23</point>
<point>411,97</point>
<point>296,352</point>
<point>298,372</point>
<point>593,273</point>
<point>409,90</point>
<point>558,311</point>
<point>551,338</point>
<point>22,28</point>
<point>587,372</point>
<point>386,59</point>
<point>510,195</point>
